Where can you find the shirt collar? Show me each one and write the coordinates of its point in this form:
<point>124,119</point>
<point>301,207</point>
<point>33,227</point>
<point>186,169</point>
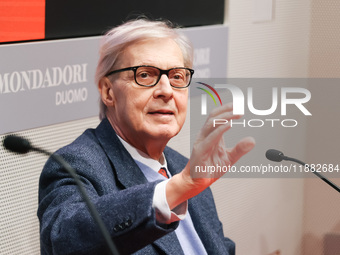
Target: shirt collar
<point>143,158</point>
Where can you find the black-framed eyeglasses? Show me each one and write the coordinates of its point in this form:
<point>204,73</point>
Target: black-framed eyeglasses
<point>149,76</point>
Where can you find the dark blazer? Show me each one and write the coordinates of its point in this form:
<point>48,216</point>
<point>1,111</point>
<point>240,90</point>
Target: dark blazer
<point>123,197</point>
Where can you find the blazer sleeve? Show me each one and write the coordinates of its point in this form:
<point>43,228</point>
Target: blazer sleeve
<point>66,226</point>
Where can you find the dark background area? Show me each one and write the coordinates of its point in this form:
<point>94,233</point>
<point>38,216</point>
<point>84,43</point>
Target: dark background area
<point>78,18</point>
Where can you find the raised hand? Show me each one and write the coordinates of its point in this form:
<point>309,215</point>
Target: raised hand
<point>209,151</point>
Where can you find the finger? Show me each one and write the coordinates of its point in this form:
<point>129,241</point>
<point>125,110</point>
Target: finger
<point>213,138</point>
<point>240,149</point>
<point>224,108</point>
<point>222,119</point>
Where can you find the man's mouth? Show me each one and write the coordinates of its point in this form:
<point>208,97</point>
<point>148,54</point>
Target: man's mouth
<point>165,112</point>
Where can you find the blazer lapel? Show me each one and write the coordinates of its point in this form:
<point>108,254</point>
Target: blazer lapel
<point>127,171</point>
<point>205,228</point>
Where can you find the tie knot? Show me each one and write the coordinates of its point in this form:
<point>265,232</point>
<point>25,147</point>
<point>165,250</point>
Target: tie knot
<point>163,172</point>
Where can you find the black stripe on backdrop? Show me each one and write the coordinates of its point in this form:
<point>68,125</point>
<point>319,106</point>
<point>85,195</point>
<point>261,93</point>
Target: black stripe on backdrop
<point>78,18</point>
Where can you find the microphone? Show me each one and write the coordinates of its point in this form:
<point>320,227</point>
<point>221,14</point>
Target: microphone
<point>275,155</point>
<point>278,156</point>
<point>17,144</point>
<point>21,145</point>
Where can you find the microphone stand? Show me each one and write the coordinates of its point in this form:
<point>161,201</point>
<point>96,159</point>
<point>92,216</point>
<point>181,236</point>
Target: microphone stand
<point>314,172</point>
<point>21,145</point>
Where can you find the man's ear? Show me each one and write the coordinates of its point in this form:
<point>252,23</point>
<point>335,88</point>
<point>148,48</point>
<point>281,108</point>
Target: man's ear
<point>106,92</point>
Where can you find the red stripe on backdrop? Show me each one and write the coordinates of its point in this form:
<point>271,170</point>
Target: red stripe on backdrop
<point>22,20</point>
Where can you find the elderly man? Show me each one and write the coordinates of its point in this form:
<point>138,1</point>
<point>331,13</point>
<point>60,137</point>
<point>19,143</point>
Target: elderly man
<point>143,76</point>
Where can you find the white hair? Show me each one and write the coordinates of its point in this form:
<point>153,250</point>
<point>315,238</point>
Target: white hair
<point>116,39</point>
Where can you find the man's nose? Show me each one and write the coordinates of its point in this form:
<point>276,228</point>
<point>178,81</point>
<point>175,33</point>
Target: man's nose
<point>163,87</point>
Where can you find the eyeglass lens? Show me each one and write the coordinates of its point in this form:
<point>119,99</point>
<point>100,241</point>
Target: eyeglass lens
<point>149,76</point>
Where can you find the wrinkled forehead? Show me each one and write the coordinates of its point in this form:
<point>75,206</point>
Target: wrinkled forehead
<point>163,53</point>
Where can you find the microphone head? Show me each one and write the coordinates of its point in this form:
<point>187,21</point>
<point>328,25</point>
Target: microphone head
<point>275,155</point>
<point>17,144</point>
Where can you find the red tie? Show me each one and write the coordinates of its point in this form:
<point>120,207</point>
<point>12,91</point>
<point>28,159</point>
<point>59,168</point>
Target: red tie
<point>163,172</point>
